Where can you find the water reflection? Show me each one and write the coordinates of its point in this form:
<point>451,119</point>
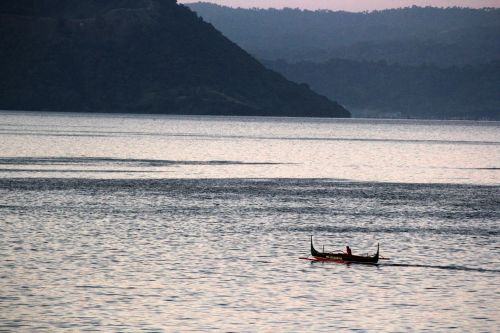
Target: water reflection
<point>189,147</point>
<point>152,223</point>
<point>197,255</point>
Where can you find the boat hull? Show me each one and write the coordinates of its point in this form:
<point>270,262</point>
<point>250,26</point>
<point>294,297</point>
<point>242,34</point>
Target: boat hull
<point>342,257</point>
<point>339,261</point>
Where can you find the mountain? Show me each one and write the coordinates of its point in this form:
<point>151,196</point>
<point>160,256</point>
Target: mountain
<point>412,36</point>
<point>146,56</point>
<point>379,89</point>
<point>438,63</point>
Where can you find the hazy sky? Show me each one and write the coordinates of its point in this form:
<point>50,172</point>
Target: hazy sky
<point>351,5</point>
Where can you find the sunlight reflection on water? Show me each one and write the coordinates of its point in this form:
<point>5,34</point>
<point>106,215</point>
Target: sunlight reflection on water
<point>109,233</point>
<point>249,147</point>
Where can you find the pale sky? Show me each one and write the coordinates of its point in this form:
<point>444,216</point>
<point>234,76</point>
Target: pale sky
<point>351,5</point>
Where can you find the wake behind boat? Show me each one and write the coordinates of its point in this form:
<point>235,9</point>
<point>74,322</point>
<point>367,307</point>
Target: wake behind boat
<point>342,257</point>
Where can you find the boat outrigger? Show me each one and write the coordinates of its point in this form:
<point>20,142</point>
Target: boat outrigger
<point>342,257</point>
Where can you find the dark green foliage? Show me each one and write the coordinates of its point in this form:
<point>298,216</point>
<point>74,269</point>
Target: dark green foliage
<point>378,88</point>
<point>149,56</point>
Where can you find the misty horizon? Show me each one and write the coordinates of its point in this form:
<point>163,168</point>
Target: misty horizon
<point>358,6</point>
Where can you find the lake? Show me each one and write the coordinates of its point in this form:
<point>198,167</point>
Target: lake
<point>151,223</point>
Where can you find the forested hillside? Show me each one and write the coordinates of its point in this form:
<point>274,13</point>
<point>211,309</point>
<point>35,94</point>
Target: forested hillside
<point>147,56</point>
<point>410,62</point>
<point>451,36</point>
<point>391,90</point>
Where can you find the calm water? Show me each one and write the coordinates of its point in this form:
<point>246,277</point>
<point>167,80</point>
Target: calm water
<point>161,224</point>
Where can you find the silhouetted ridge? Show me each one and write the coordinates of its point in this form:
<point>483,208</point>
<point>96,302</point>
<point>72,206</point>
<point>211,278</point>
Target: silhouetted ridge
<point>380,89</point>
<point>437,63</point>
<point>149,56</point>
<point>412,35</point>
<point>70,8</point>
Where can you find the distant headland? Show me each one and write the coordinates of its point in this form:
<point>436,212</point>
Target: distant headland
<point>144,56</point>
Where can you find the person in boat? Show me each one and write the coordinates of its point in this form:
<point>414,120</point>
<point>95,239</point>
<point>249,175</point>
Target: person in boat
<point>348,250</point>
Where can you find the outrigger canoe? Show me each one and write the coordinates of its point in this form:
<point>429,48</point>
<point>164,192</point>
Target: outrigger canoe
<point>341,257</point>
